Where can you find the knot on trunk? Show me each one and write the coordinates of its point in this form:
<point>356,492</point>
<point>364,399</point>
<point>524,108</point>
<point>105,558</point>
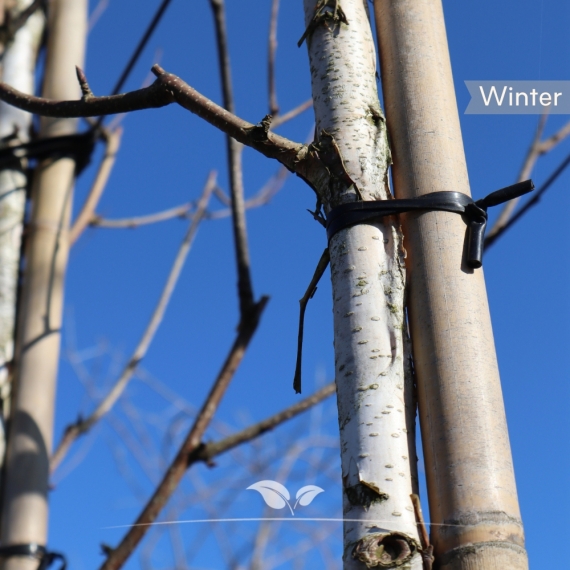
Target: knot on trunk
<point>385,550</point>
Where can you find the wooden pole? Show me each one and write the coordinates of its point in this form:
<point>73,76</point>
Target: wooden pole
<point>24,507</point>
<point>471,486</point>
<point>18,62</point>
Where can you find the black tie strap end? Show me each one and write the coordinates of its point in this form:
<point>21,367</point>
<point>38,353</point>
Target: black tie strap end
<point>505,194</point>
<point>475,240</point>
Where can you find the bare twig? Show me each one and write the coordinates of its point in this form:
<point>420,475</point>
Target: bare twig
<point>490,239</point>
<point>135,447</point>
<point>83,425</point>
<point>320,269</point>
<point>141,45</point>
<point>245,287</point>
<point>427,549</point>
<point>280,119</point>
<point>85,216</point>
<point>549,143</point>
<point>222,197</point>
<point>192,443</point>
<point>168,88</point>
<point>97,13</point>
<point>211,450</point>
<point>146,98</point>
<point>524,174</point>
<point>182,211</point>
<point>268,190</point>
<point>272,48</point>
<point>261,198</point>
<point>537,148</point>
<point>148,79</point>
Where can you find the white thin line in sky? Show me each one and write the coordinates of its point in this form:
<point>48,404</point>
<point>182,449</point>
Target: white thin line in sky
<point>279,519</point>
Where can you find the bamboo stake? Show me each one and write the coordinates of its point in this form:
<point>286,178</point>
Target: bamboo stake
<point>24,509</point>
<point>18,63</point>
<point>470,476</point>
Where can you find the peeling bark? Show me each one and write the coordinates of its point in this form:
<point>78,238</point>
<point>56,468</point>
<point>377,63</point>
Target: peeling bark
<point>375,393</point>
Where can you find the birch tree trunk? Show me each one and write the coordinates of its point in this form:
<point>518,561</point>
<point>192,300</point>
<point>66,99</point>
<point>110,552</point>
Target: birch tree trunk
<point>18,65</point>
<point>471,485</point>
<point>24,508</point>
<point>375,394</point>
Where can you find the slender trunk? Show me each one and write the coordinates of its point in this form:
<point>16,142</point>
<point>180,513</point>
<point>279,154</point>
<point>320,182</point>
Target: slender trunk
<point>375,407</point>
<point>18,65</point>
<point>471,485</point>
<point>24,510</point>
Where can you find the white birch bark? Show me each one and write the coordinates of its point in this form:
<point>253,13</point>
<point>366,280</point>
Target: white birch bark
<point>375,394</point>
<point>18,63</point>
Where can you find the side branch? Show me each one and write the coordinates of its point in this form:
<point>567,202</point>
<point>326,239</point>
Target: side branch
<point>191,445</point>
<point>112,142</point>
<point>213,449</point>
<point>82,426</point>
<point>182,211</point>
<point>272,48</point>
<point>149,97</point>
<point>538,148</point>
<point>167,89</point>
<point>235,165</point>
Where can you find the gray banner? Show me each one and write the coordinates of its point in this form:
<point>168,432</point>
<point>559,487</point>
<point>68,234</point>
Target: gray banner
<point>518,97</point>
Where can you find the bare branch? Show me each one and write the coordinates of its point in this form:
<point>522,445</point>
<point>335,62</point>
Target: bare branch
<point>319,270</point>
<point>548,144</point>
<point>73,431</point>
<point>295,112</point>
<point>97,13</point>
<point>85,216</point>
<point>141,45</point>
<point>182,211</point>
<point>490,239</point>
<point>272,48</point>
<point>537,148</point>
<point>427,549</point>
<point>299,158</point>
<point>261,198</point>
<point>192,443</point>
<point>268,190</point>
<point>245,287</point>
<point>149,97</point>
<point>524,174</point>
<point>211,450</point>
<point>222,196</point>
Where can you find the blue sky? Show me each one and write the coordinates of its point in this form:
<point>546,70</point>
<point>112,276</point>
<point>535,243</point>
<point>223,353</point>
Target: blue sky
<point>115,277</point>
